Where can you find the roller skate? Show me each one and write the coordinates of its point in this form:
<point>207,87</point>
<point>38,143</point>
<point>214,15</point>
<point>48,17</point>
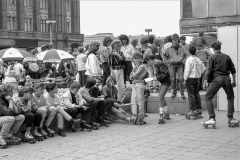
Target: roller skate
<point>28,138</point>
<point>49,132</point>
<point>192,114</point>
<point>37,135</point>
<point>3,143</point>
<point>146,93</point>
<point>199,114</point>
<point>83,126</point>
<point>61,133</point>
<point>210,122</point>
<point>152,89</point>
<point>141,119</point>
<point>157,88</point>
<point>136,119</point>
<point>108,119</point>
<point>95,126</point>
<point>161,119</point>
<point>13,140</point>
<point>166,116</point>
<point>103,122</point>
<point>43,133</point>
<point>233,123</point>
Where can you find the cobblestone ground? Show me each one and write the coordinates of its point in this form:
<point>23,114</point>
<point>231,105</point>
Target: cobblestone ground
<point>176,139</point>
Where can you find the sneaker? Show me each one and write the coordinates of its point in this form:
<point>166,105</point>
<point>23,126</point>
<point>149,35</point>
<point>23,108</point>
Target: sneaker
<point>61,133</point>
<point>173,95</point>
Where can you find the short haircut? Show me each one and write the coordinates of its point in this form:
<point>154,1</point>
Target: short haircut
<point>144,40</point>
<point>51,86</point>
<point>25,90</point>
<point>167,39</point>
<point>137,55</point>
<point>90,83</point>
<point>5,90</point>
<point>123,37</point>
<point>157,41</point>
<point>74,85</point>
<point>182,38</point>
<point>192,49</point>
<point>216,45</point>
<point>115,42</point>
<point>175,37</point>
<point>107,40</point>
<point>134,42</point>
<point>111,78</point>
<point>151,39</point>
<point>38,85</point>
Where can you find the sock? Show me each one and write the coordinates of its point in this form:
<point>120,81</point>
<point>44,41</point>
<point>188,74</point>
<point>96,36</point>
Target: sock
<point>165,109</point>
<point>161,110</point>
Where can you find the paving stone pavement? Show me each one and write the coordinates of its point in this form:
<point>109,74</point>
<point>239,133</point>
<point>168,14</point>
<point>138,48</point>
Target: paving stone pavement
<point>177,139</point>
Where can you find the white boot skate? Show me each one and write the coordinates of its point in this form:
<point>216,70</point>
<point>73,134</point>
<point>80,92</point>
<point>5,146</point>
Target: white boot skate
<point>211,122</point>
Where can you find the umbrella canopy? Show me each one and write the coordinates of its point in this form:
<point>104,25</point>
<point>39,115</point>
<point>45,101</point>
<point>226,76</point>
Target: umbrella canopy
<point>54,55</point>
<point>15,54</point>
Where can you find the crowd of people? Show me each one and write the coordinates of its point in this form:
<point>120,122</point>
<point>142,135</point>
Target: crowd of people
<point>97,85</point>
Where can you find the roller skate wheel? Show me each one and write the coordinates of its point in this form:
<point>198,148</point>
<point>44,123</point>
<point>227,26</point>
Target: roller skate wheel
<point>194,118</point>
<point>31,142</point>
<point>3,147</point>
<point>214,127</point>
<point>206,126</point>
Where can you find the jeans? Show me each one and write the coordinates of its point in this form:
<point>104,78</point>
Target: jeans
<point>194,99</point>
<point>106,72</point>
<point>82,78</point>
<point>60,115</point>
<point>217,83</point>
<point>137,98</point>
<point>127,71</point>
<point>120,83</point>
<point>97,110</point>
<point>6,123</point>
<point>176,69</point>
<point>48,112</point>
<point>31,118</point>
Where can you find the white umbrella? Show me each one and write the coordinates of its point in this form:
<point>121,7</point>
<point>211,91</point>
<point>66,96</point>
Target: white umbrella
<point>54,55</point>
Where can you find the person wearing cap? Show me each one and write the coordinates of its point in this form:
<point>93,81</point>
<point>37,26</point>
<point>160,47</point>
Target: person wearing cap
<point>128,51</point>
<point>173,57</point>
<point>93,68</point>
<point>116,63</point>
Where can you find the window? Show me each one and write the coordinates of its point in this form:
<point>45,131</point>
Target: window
<point>43,26</point>
<point>12,2</point>
<point>68,27</point>
<point>43,4</point>
<point>28,24</point>
<point>68,5</point>
<point>11,23</point>
<point>26,3</point>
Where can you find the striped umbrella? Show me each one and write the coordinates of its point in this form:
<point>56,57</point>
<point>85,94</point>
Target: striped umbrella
<point>15,54</point>
<point>54,55</point>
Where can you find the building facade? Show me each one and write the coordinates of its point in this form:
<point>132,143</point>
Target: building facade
<point>23,23</point>
<point>206,15</point>
<point>96,38</point>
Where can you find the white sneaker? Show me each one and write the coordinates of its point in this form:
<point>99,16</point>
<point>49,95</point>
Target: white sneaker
<point>209,122</point>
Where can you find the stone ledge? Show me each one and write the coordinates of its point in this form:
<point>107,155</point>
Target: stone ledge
<point>175,105</point>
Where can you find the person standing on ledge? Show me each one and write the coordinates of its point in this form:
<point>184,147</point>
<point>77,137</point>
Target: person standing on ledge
<point>219,67</point>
